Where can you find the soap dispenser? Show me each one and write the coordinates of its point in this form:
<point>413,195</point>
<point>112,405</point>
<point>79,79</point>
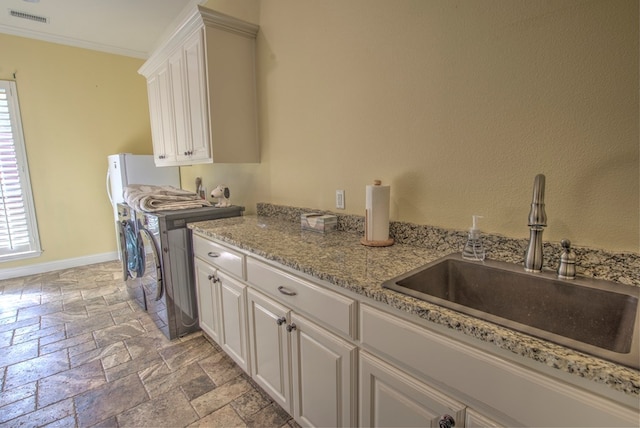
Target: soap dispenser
<point>473,249</point>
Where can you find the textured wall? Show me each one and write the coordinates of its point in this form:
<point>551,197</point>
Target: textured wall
<point>457,105</point>
<point>78,106</point>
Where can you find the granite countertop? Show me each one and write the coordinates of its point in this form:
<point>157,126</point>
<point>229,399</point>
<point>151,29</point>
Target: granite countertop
<point>340,259</point>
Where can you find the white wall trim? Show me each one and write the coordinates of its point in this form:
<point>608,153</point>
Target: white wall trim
<point>69,41</point>
<point>57,265</point>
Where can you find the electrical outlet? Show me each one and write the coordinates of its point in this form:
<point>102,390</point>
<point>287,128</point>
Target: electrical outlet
<point>340,199</point>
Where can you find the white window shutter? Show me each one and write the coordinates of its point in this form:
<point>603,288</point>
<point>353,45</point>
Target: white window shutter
<point>18,228</point>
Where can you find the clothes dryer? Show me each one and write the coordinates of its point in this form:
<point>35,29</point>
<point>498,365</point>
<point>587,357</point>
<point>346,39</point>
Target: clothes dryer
<point>168,278</point>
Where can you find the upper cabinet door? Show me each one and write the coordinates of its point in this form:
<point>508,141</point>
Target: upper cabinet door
<point>180,105</point>
<point>161,117</point>
<point>195,87</point>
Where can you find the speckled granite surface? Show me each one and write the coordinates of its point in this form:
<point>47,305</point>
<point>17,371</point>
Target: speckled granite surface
<point>340,259</point>
<point>619,267</point>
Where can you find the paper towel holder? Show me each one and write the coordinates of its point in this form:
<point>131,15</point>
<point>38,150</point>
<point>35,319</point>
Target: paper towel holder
<point>364,241</point>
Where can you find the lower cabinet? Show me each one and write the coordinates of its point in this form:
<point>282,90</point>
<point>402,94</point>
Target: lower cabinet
<point>506,391</point>
<point>391,398</point>
<point>305,368</point>
<point>208,295</point>
<point>324,370</point>
<point>270,348</point>
<point>331,361</point>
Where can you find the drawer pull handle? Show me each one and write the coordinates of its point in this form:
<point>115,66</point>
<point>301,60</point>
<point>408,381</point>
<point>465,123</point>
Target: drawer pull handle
<point>446,421</point>
<point>286,292</point>
<point>291,327</point>
<point>213,254</point>
<point>281,320</point>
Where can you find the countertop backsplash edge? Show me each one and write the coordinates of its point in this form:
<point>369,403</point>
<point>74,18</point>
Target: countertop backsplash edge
<point>622,267</point>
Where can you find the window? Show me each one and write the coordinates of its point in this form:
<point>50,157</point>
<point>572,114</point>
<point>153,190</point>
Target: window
<point>18,228</point>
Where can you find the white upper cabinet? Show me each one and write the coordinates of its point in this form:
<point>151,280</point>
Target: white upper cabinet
<point>201,85</point>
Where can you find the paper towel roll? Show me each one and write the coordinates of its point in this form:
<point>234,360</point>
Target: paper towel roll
<point>377,212</point>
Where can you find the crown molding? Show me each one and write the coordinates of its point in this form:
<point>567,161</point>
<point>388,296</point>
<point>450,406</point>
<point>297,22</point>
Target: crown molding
<point>69,41</point>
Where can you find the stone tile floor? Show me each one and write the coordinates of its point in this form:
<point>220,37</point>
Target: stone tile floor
<point>75,351</point>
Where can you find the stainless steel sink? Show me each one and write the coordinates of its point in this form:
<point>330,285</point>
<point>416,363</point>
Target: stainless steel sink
<point>597,317</point>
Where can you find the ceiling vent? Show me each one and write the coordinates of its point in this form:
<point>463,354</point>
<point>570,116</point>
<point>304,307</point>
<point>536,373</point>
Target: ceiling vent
<point>24,15</point>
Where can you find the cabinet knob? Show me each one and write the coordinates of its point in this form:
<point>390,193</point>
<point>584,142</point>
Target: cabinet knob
<point>213,278</point>
<point>286,292</point>
<point>291,327</point>
<point>281,320</point>
<point>446,421</point>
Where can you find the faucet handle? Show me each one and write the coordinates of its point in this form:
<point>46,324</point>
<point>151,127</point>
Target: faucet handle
<point>567,267</point>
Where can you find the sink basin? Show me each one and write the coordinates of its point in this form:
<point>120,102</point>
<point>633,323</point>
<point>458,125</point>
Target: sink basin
<point>594,316</point>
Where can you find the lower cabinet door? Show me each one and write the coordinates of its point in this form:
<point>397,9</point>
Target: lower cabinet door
<point>269,346</point>
<point>392,398</point>
<point>208,299</point>
<point>323,373</point>
<point>234,325</point>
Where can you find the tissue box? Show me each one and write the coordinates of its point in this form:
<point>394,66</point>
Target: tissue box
<point>316,222</point>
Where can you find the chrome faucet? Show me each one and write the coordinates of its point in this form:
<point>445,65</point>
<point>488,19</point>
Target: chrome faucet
<point>537,223</point>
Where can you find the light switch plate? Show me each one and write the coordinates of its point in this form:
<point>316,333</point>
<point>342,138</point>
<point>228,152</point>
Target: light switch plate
<point>340,199</point>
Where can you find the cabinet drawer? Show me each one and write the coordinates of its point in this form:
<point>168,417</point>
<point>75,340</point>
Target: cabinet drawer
<point>328,307</point>
<point>219,256</point>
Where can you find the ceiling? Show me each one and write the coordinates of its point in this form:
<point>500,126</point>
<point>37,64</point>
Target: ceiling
<point>123,27</point>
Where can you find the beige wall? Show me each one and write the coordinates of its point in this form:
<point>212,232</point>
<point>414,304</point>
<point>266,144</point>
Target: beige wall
<point>78,106</point>
<point>248,10</point>
<point>457,105</point>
